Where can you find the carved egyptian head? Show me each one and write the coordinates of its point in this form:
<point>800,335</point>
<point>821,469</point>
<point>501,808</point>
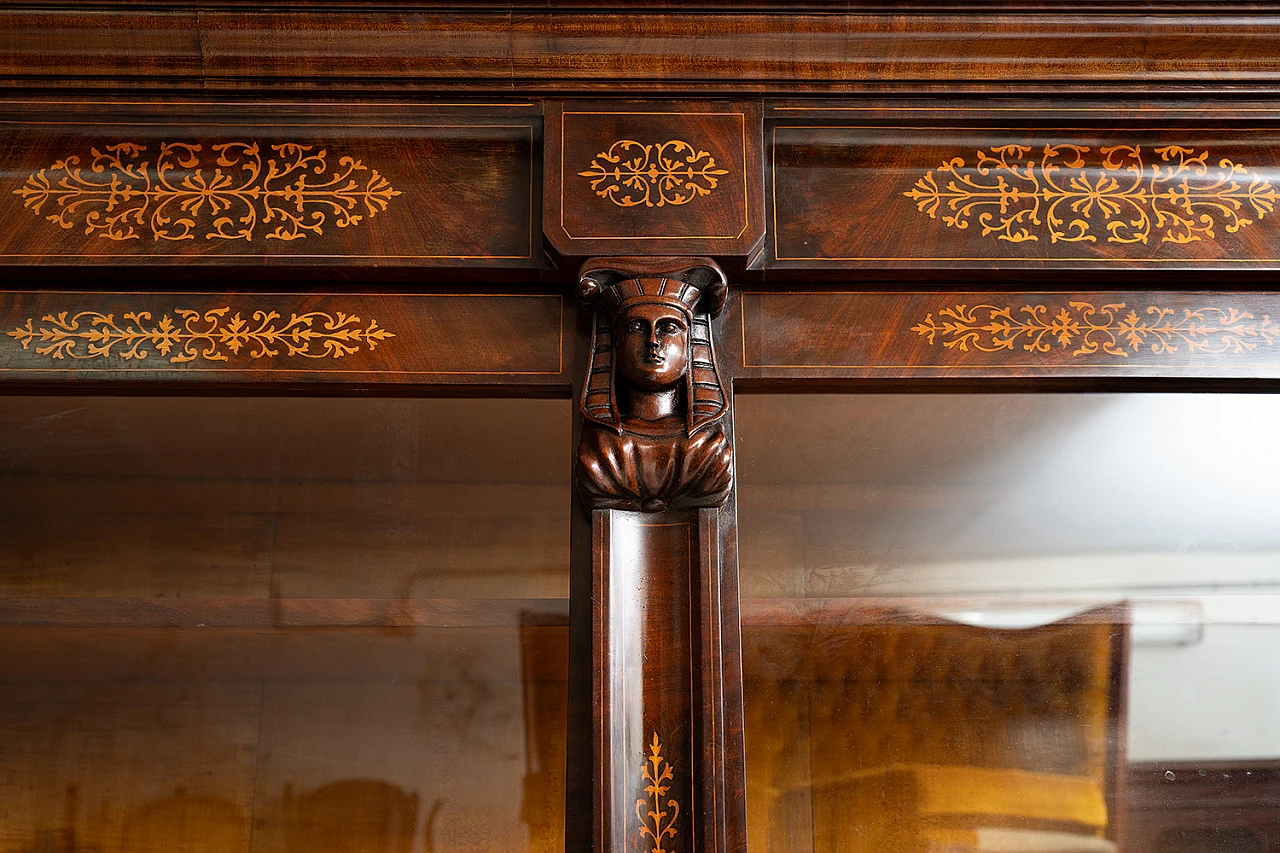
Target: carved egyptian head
<point>651,343</point>
<point>652,331</point>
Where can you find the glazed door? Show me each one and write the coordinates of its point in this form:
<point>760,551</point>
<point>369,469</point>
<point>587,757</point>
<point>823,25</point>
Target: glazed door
<point>284,623</point>
<point>995,621</point>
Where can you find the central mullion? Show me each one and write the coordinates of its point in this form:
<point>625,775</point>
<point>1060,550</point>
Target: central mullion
<point>651,670</point>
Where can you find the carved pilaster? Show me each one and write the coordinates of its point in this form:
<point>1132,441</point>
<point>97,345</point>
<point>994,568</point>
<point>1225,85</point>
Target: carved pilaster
<point>654,466</point>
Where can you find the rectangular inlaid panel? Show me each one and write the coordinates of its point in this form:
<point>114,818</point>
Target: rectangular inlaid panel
<point>647,668</point>
<point>644,177</point>
<point>820,335</point>
<point>349,184</point>
<point>273,337</point>
<point>1177,196</point>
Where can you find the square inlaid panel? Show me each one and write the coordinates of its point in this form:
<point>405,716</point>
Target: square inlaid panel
<point>640,177</point>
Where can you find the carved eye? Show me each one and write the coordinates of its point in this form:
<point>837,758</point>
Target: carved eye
<point>637,327</point>
<point>668,327</point>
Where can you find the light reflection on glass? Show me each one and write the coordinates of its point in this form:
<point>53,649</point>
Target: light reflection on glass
<point>894,527</point>
<point>287,625</point>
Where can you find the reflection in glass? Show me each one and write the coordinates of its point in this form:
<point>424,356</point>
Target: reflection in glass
<point>873,526</point>
<point>282,625</point>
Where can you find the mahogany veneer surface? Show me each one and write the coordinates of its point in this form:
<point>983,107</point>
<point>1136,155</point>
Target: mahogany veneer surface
<point>121,182</point>
<point>1024,196</point>
<point>1001,48</point>
<point>447,338</point>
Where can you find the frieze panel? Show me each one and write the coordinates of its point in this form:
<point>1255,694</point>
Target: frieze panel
<point>444,338</point>
<point>1071,194</point>
<point>953,335</point>
<point>1110,328</point>
<point>1016,197</point>
<point>225,191</point>
<point>213,335</point>
<point>654,177</point>
<point>293,184</point>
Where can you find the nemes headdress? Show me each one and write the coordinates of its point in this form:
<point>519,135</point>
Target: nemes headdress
<point>696,287</point>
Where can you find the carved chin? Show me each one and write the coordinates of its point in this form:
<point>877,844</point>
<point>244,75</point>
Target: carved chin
<point>653,376</point>
<point>654,473</point>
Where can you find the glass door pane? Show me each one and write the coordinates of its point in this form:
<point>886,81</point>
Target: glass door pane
<point>282,624</point>
<point>1010,622</point>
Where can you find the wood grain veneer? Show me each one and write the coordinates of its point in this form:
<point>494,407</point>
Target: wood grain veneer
<point>646,177</point>
<point>424,49</point>
<point>832,335</point>
<point>119,182</point>
<point>447,339</point>
<point>938,196</point>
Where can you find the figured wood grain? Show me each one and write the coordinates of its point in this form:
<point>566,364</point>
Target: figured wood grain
<point>1171,197</point>
<point>162,46</point>
<point>426,49</point>
<point>134,183</point>
<point>208,337</point>
<point>645,177</point>
<point>659,682</point>
<point>822,335</point>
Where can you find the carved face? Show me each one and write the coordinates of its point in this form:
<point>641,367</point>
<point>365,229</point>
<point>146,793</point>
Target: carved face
<point>652,343</point>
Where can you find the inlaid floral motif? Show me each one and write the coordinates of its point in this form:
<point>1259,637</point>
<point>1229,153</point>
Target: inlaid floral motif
<point>1177,197</point>
<point>199,335</point>
<point>657,820</point>
<point>631,174</point>
<point>227,191</point>
<point>1081,328</point>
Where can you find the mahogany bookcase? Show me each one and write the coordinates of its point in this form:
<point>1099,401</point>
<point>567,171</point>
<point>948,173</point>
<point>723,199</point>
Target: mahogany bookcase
<point>386,390</point>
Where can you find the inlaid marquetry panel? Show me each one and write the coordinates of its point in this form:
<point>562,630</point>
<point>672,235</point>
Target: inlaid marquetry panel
<point>350,184</point>
<point>438,338</point>
<point>1011,334</point>
<point>1025,196</point>
<point>223,191</point>
<point>659,732</point>
<point>658,814</point>
<point>645,177</point>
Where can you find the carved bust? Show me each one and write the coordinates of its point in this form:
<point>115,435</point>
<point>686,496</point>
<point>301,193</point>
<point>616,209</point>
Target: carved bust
<point>652,401</point>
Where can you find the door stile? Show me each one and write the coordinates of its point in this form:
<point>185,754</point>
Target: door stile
<point>667,757</point>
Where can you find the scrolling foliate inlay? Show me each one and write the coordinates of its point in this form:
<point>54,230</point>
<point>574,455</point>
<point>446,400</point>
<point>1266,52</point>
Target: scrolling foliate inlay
<point>657,819</point>
<point>1081,328</point>
<point>199,335</point>
<point>225,192</point>
<point>1120,198</point>
<point>631,174</point>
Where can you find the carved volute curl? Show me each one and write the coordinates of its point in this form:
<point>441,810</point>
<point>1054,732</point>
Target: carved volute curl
<point>652,401</point>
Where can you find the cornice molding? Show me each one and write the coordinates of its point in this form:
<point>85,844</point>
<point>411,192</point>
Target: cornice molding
<point>358,48</point>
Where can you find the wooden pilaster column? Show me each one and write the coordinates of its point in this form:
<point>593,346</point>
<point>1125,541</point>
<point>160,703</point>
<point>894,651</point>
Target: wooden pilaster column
<point>654,469</point>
